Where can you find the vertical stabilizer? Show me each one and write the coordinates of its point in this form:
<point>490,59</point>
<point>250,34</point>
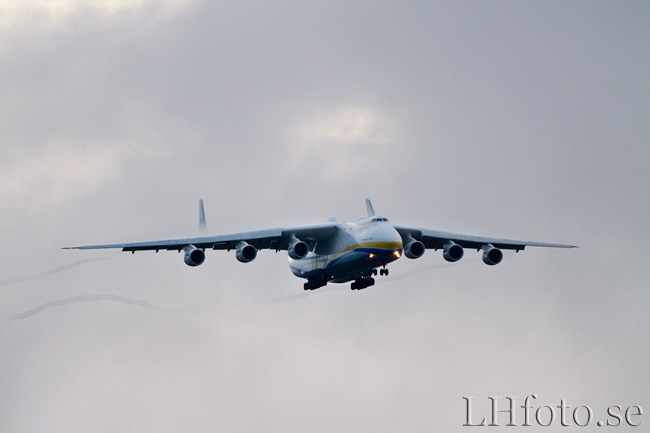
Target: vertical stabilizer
<point>371,211</point>
<point>201,217</point>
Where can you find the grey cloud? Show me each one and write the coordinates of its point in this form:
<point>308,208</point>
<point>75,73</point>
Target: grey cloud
<point>507,119</point>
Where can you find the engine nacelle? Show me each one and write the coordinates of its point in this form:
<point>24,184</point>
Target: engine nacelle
<point>246,252</point>
<point>298,250</point>
<point>491,255</point>
<point>414,249</point>
<point>193,256</point>
<point>452,252</point>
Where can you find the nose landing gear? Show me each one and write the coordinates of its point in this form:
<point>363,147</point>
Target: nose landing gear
<point>383,272</point>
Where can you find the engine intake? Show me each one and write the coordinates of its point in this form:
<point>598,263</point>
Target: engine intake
<point>246,252</point>
<point>491,255</point>
<point>414,249</point>
<point>193,256</point>
<point>298,250</point>
<point>452,252</point>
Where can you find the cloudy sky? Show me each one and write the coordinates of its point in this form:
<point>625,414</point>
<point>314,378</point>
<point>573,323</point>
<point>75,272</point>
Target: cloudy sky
<point>509,119</point>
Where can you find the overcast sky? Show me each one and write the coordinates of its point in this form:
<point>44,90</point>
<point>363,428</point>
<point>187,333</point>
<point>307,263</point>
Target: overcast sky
<point>513,119</point>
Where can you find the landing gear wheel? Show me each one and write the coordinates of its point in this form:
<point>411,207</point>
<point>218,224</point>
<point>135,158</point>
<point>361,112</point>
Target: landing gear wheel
<point>316,282</point>
<point>362,283</point>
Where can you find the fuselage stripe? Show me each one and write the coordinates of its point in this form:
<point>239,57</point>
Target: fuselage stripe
<point>377,245</point>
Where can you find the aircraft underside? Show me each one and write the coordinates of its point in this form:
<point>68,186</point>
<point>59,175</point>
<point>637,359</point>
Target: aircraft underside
<point>359,265</point>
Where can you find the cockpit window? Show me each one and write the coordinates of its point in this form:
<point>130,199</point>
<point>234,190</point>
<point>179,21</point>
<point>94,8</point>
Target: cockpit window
<point>376,219</point>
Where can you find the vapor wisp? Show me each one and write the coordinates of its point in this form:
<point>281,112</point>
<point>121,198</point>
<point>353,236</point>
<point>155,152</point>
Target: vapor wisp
<point>53,271</point>
<point>33,235</point>
<point>89,298</point>
<point>429,268</point>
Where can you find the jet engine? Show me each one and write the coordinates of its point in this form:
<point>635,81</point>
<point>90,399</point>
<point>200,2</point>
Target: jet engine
<point>246,252</point>
<point>414,249</point>
<point>452,252</point>
<point>491,255</point>
<point>193,256</point>
<point>298,250</point>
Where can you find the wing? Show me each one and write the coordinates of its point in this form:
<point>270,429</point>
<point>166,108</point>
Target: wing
<point>277,239</point>
<point>436,239</point>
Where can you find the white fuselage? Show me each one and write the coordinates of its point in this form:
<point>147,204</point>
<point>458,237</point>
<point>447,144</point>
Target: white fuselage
<point>353,252</point>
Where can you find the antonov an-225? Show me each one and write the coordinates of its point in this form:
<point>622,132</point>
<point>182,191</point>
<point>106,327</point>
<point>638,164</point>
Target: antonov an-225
<point>336,251</point>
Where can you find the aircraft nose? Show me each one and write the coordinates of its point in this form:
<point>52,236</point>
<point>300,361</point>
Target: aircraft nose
<point>394,237</point>
<point>398,238</point>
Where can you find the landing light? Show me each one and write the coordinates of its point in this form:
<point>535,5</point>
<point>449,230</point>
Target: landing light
<point>372,255</point>
<point>397,254</point>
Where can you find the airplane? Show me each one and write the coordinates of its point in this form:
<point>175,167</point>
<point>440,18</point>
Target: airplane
<point>336,251</point>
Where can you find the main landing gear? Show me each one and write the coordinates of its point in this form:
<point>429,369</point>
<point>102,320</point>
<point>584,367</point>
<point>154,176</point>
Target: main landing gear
<point>362,283</point>
<point>367,281</point>
<point>316,282</point>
